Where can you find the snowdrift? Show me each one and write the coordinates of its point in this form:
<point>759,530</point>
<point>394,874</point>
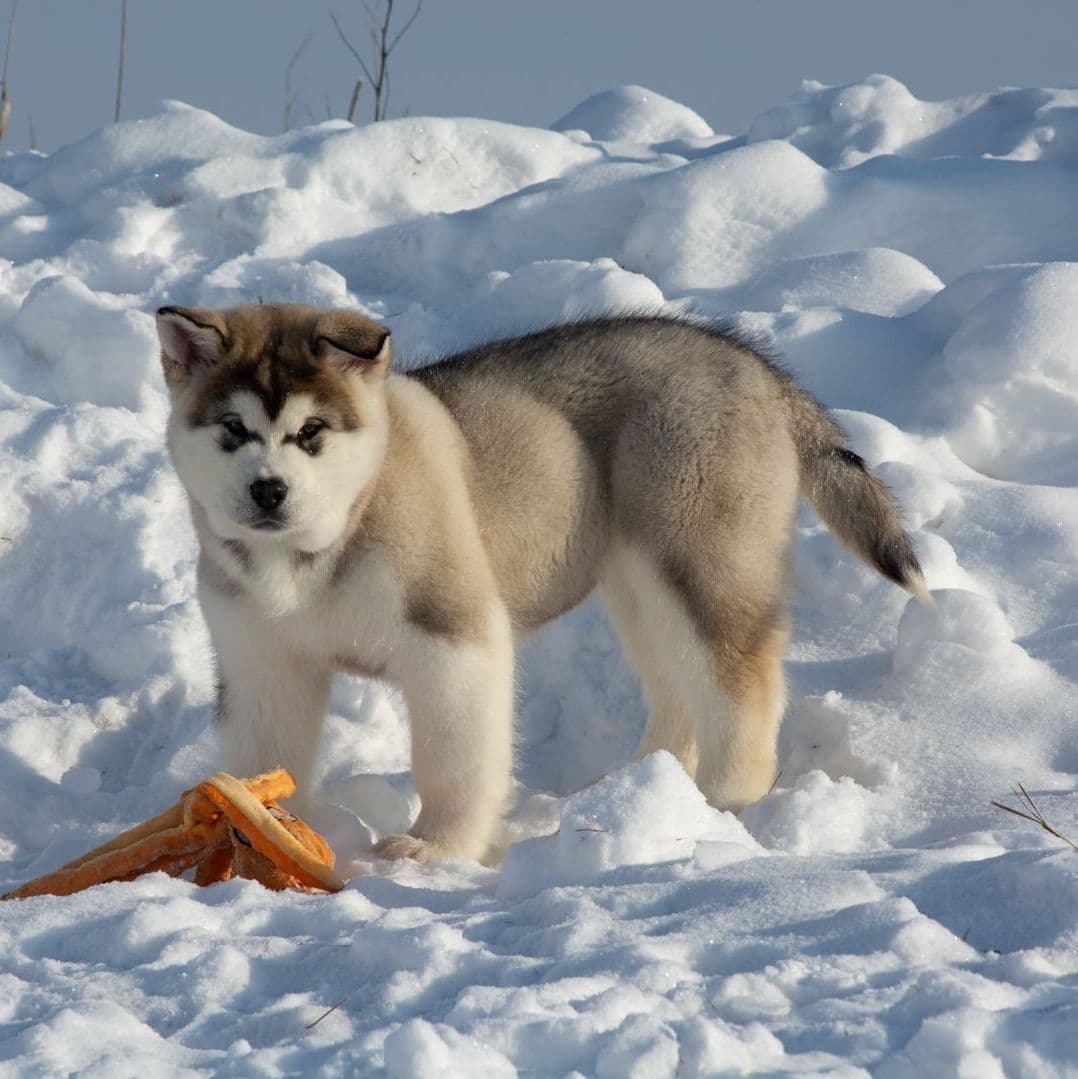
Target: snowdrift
<point>915,263</point>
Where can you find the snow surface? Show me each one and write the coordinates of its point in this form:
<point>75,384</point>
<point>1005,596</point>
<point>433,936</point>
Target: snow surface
<point>917,266</point>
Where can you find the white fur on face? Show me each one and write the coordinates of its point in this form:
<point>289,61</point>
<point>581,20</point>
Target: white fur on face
<point>322,487</point>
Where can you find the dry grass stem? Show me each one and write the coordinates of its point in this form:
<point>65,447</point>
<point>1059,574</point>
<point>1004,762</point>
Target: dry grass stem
<point>10,39</point>
<point>327,1012</point>
<point>1032,812</point>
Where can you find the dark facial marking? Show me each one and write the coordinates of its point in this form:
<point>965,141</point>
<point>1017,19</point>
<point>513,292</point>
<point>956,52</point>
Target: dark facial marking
<point>240,552</point>
<point>214,576</point>
<point>221,708</point>
<point>272,379</point>
<point>235,434</point>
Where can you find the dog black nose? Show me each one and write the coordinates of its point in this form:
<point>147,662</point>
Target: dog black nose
<point>269,494</point>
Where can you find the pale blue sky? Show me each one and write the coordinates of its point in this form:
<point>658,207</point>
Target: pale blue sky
<point>519,60</point>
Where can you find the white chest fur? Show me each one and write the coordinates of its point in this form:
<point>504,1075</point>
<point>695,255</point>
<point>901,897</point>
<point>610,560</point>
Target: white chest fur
<point>344,615</point>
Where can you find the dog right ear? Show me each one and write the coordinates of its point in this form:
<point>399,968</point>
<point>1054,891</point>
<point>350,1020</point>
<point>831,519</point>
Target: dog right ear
<point>192,339</point>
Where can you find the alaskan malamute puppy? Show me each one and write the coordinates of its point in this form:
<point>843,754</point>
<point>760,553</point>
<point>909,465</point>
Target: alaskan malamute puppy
<point>407,527</point>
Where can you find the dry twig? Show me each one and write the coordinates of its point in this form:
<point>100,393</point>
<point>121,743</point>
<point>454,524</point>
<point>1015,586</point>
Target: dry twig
<point>350,117</point>
<point>329,1011</point>
<point>10,39</point>
<point>1032,812</point>
<point>120,62</point>
<point>5,99</point>
<point>383,41</point>
<point>289,91</point>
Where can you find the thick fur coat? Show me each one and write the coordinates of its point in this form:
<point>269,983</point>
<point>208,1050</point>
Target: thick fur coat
<point>409,527</point>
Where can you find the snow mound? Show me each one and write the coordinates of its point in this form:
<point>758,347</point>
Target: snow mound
<point>876,280</point>
<point>644,813</point>
<point>633,114</point>
<point>957,619</point>
<point>1013,366</point>
<point>95,350</point>
<point>840,126</point>
<point>817,814</point>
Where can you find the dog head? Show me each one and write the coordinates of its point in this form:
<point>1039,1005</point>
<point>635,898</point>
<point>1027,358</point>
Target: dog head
<point>279,417</point>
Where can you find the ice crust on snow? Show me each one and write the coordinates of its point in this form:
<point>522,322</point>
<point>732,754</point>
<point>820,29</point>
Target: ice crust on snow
<point>912,262</point>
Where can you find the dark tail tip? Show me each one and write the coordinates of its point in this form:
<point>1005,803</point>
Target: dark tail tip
<point>895,560</point>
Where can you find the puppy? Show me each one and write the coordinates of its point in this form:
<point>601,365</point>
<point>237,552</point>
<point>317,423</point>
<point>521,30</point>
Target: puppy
<point>408,527</point>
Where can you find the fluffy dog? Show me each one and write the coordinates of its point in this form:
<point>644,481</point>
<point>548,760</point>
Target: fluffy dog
<point>408,527</point>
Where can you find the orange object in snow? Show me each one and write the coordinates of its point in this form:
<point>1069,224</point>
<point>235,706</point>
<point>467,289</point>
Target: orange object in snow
<point>225,827</point>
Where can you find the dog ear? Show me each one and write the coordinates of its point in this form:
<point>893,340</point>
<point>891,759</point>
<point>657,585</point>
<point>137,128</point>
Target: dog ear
<point>192,339</point>
<point>354,344</point>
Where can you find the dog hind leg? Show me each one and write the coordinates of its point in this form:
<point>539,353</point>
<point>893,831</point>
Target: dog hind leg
<point>715,687</point>
<point>644,613</point>
<point>738,763</point>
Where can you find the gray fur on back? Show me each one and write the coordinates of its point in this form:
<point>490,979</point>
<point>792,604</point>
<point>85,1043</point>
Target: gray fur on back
<point>659,427</point>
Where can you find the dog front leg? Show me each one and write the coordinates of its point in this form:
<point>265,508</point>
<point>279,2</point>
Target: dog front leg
<point>460,702</point>
<point>270,711</point>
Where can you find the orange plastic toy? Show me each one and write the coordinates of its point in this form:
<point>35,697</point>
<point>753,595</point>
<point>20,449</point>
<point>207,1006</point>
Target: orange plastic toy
<point>222,828</point>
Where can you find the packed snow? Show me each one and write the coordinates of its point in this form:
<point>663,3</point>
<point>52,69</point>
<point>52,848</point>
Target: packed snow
<point>916,266</point>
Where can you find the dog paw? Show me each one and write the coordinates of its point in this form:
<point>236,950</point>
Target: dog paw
<point>406,846</point>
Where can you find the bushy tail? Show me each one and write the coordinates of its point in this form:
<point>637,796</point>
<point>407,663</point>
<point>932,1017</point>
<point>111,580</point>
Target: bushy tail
<point>853,503</point>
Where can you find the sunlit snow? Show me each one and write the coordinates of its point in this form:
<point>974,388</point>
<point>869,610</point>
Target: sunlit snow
<point>916,266</point>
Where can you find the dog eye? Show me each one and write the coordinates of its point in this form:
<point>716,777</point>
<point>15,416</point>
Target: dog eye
<point>234,426</point>
<point>235,433</point>
<point>307,438</point>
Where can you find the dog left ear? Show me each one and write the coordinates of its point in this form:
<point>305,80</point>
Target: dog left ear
<point>191,339</point>
<point>355,345</point>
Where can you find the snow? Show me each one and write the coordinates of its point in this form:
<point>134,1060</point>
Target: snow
<point>914,263</point>
<point>635,115</point>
